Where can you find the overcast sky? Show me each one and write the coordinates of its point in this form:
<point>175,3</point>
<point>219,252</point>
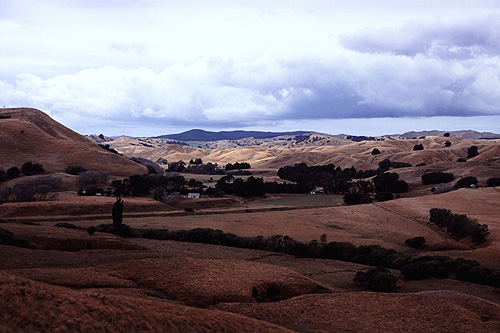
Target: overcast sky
<point>153,67</point>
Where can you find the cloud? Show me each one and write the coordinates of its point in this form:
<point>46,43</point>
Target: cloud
<point>461,40</point>
<point>218,92</point>
<point>420,70</point>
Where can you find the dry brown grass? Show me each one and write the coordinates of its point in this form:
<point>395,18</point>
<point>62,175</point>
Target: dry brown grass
<point>33,306</point>
<point>31,135</point>
<point>440,311</point>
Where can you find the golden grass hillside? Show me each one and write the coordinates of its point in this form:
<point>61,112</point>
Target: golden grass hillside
<point>30,135</point>
<point>355,154</point>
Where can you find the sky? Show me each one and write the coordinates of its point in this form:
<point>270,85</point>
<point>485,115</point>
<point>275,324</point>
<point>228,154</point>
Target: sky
<point>152,67</point>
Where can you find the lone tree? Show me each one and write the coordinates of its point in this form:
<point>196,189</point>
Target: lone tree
<point>472,151</point>
<point>117,212</point>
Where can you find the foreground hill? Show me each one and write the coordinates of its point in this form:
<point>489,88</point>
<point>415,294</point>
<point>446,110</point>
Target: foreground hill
<point>30,135</point>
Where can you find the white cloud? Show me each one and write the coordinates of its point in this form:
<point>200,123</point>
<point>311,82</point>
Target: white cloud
<point>154,63</point>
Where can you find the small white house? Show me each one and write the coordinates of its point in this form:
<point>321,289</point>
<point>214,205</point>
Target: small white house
<point>193,195</point>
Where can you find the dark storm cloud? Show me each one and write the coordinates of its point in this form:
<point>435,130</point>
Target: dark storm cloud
<point>458,40</point>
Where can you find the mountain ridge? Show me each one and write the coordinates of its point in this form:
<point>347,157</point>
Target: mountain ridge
<point>202,135</point>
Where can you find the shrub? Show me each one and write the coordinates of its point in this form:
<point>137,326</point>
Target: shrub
<point>13,172</point>
<point>92,178</point>
<point>415,242</point>
<point>436,178</point>
<point>472,152</point>
<point>91,230</point>
<point>421,164</point>
<point>466,182</point>
<point>461,159</point>
<point>447,143</point>
<point>68,226</point>
<point>75,169</point>
<point>418,147</point>
<point>3,176</point>
<point>375,151</point>
<point>30,169</point>
<point>122,230</point>
<point>493,182</point>
<point>446,134</point>
<point>376,279</point>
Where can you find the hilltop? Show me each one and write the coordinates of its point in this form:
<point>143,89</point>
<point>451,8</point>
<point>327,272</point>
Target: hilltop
<point>31,135</point>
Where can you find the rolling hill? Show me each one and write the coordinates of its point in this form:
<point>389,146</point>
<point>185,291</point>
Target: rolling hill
<point>31,135</point>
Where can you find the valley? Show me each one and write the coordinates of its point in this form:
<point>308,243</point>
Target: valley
<point>69,278</point>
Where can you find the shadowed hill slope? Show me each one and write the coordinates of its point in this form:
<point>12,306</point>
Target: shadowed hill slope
<point>33,306</point>
<point>30,135</point>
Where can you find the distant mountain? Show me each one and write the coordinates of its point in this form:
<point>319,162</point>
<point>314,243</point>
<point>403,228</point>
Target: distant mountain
<point>466,134</point>
<point>201,135</point>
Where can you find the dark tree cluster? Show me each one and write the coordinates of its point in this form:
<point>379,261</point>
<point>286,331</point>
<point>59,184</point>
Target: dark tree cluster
<point>415,242</point>
<point>418,147</point>
<point>11,173</point>
<point>176,166</point>
<point>30,169</point>
<point>472,152</point>
<point>237,166</point>
<point>152,166</point>
<point>437,178</point>
<point>389,182</point>
<point>493,181</point>
<point>376,279</point>
<point>442,267</point>
<point>75,169</point>
<point>253,187</point>
<point>196,161</point>
<point>205,169</point>
<point>374,255</point>
<point>332,179</point>
<point>108,148</point>
<point>383,166</point>
<point>466,182</point>
<point>138,185</point>
<point>459,224</point>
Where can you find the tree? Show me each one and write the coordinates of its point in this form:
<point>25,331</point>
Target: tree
<point>375,151</point>
<point>472,151</point>
<point>13,172</point>
<point>447,143</point>
<point>418,147</point>
<point>466,182</point>
<point>376,279</point>
<point>30,169</point>
<point>117,212</point>
<point>446,134</point>
<point>415,242</point>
